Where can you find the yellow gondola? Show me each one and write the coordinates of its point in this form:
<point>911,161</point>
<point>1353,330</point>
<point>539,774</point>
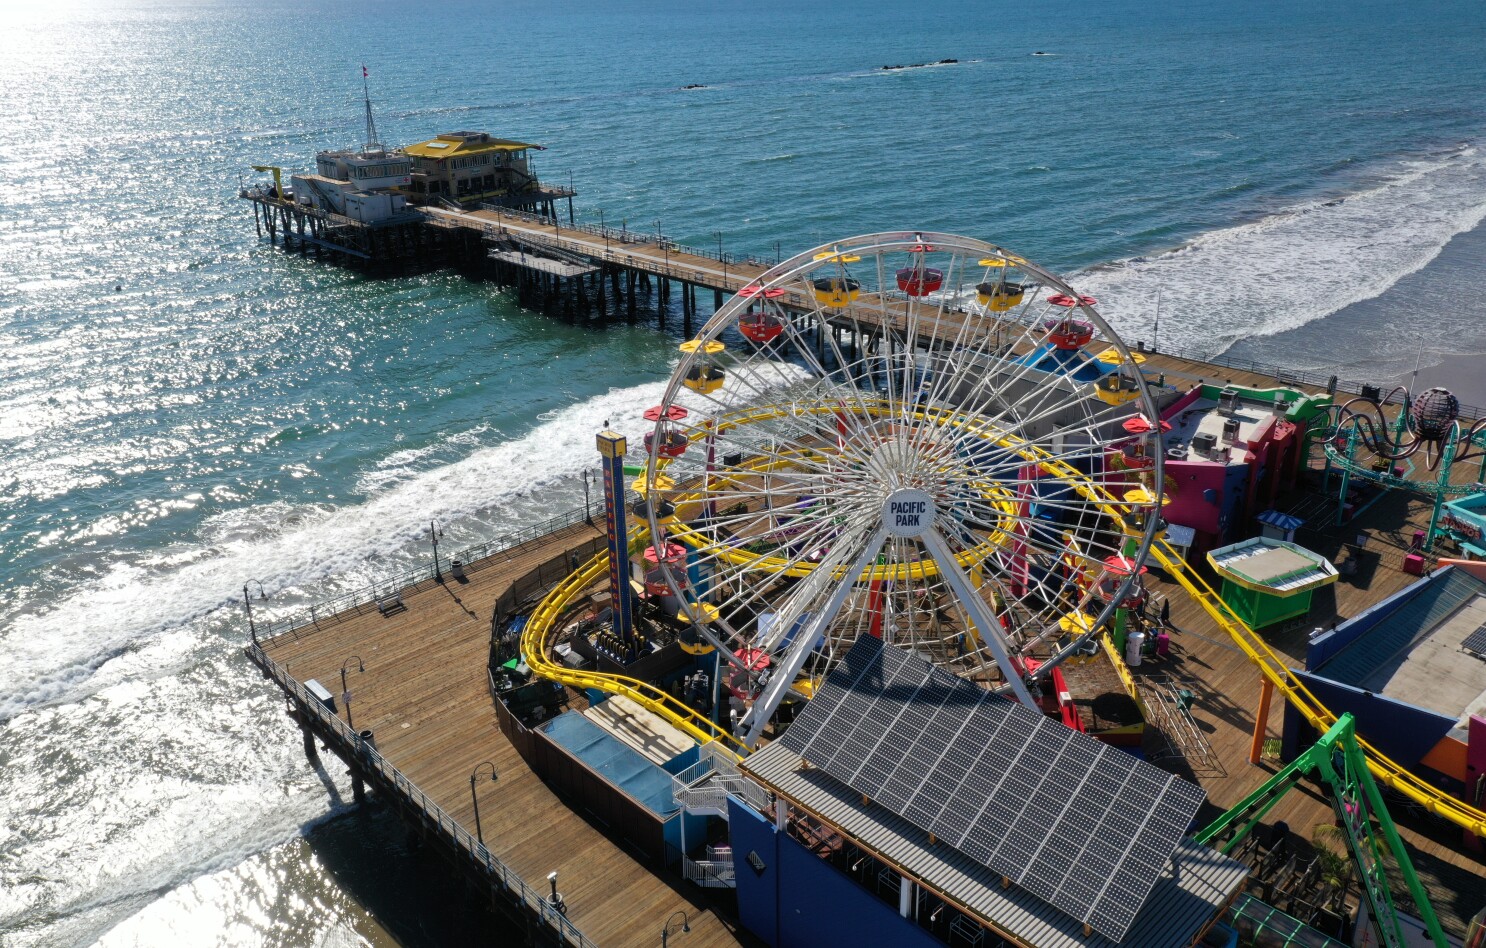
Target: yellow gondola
<point>705,376</point>
<point>699,614</point>
<point>1117,388</point>
<point>1000,294</point>
<point>836,292</point>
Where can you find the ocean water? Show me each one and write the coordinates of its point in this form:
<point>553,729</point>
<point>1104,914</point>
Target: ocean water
<point>183,409</point>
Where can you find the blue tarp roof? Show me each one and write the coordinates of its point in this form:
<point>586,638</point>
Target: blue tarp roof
<point>614,760</point>
<point>1283,521</point>
<point>1072,363</point>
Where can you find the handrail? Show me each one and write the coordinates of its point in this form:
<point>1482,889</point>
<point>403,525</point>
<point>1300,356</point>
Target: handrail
<point>469,556</point>
<point>1317,714</point>
<point>445,824</point>
<point>542,627</point>
<point>1291,376</point>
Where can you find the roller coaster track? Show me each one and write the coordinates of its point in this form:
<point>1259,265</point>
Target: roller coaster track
<point>539,637</point>
<point>542,627</point>
<point>1273,668</point>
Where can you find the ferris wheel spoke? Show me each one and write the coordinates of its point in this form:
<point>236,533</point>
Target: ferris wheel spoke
<point>814,625</point>
<point>990,629</point>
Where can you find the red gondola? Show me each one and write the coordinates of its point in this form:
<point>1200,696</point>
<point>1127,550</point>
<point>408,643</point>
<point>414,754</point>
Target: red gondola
<point>920,281</point>
<point>672,443</point>
<point>762,328</point>
<point>1069,334</point>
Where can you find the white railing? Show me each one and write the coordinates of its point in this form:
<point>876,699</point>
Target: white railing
<point>707,784</point>
<point>710,873</point>
<point>433,816</point>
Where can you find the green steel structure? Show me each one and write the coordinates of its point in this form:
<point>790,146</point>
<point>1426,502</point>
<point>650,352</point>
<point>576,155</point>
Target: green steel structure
<point>1338,760</point>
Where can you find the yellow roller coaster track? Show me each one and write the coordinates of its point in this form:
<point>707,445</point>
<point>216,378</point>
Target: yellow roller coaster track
<point>543,625</point>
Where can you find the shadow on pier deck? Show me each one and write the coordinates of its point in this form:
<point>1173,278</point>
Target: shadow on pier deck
<point>425,698</point>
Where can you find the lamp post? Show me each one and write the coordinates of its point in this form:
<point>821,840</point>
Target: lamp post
<point>435,533</point>
<point>718,235</point>
<point>248,605</point>
<point>555,899</point>
<point>345,690</point>
<point>604,229</point>
<point>665,930</point>
<point>587,511</point>
<point>475,799</point>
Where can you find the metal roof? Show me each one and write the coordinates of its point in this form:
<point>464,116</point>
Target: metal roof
<point>1193,889</point>
<point>1086,828</point>
<point>1410,618</point>
<point>456,146</point>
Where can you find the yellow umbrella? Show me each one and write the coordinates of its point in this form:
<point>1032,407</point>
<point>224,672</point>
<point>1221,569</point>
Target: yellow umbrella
<point>707,348</point>
<point>1140,496</point>
<point>1076,623</point>
<point>836,256</point>
<point>663,482</point>
<point>1111,356</point>
<point>703,612</point>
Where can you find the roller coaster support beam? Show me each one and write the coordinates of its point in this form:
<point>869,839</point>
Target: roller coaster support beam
<point>1341,496</point>
<point>1444,482</point>
<point>1338,760</point>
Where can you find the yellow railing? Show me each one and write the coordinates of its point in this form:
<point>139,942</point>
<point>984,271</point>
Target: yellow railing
<point>544,624</point>
<point>536,642</point>
<point>1320,717</point>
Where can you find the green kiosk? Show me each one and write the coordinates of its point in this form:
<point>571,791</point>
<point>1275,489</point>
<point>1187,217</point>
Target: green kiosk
<point>1267,580</point>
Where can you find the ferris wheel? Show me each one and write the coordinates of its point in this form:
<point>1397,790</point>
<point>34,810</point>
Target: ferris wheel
<point>916,436</point>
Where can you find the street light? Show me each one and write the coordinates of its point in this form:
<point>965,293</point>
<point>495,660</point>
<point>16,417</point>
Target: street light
<point>587,512</point>
<point>555,899</point>
<point>474,775</point>
<point>665,930</point>
<point>248,605</point>
<point>346,691</point>
<point>435,533</point>
<point>718,235</point>
<point>603,228</point>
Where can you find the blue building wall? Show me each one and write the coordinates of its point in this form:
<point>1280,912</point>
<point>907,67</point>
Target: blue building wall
<point>1328,644</point>
<point>798,899</point>
<point>1402,731</point>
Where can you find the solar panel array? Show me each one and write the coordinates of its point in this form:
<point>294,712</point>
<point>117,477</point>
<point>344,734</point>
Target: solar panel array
<point>1476,642</point>
<point>1082,826</point>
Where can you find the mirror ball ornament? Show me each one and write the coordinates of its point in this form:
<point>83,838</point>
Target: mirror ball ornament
<point>1433,413</point>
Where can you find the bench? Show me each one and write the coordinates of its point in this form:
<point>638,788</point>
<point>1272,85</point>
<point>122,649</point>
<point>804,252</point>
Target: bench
<point>389,603</point>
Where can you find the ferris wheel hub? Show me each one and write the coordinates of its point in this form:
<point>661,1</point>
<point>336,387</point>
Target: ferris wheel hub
<point>909,512</point>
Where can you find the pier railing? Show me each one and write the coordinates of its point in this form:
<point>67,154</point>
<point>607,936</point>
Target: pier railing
<point>372,762</point>
<point>623,235</point>
<point>470,558</point>
<point>1294,377</point>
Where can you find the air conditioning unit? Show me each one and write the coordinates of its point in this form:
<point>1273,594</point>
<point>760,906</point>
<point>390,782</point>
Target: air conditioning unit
<point>1203,444</point>
<point>1281,407</point>
<point>1228,401</point>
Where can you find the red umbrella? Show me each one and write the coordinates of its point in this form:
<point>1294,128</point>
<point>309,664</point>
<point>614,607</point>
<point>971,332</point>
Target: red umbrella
<point>753,289</point>
<point>674,413</point>
<point>674,552</point>
<point>755,659</point>
<point>1140,424</point>
<point>1122,565</point>
<point>1063,299</point>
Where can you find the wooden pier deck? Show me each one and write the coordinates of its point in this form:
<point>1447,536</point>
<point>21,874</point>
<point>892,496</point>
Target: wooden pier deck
<point>425,697</point>
<point>1227,686</point>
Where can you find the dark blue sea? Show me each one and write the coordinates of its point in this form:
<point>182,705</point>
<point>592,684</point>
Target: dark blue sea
<point>183,408</point>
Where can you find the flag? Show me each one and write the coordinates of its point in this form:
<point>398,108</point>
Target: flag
<point>363,71</point>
